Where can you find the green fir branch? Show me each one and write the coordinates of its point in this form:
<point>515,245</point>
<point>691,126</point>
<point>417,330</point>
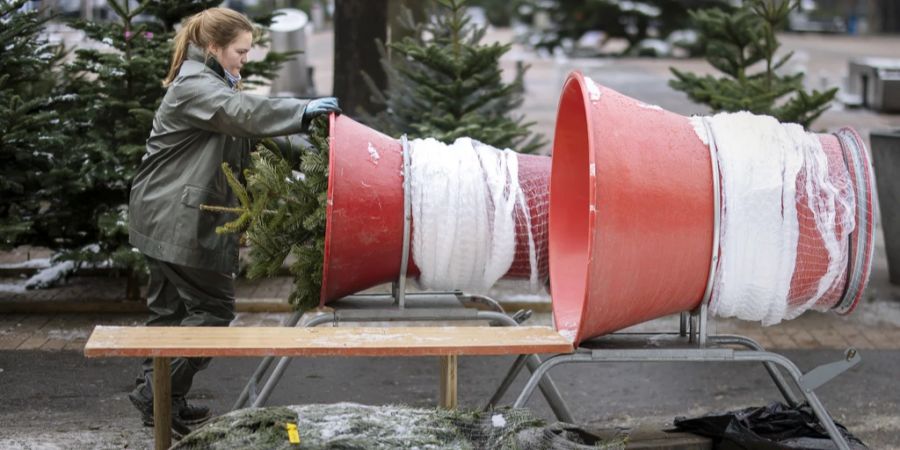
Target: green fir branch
<point>283,214</point>
<point>735,42</point>
<point>443,82</point>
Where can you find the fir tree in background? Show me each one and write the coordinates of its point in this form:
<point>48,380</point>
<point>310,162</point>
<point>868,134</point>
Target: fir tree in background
<point>444,83</point>
<point>113,87</point>
<point>650,27</point>
<point>28,124</point>
<point>87,139</point>
<point>736,41</point>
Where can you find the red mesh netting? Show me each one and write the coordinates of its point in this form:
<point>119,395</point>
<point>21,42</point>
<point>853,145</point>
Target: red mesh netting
<point>534,180</point>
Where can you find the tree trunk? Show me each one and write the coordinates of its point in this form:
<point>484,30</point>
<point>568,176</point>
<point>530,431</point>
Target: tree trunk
<point>890,17</point>
<point>357,24</point>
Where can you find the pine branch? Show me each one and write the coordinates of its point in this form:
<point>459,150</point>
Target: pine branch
<point>733,44</point>
<point>284,215</point>
<point>444,83</point>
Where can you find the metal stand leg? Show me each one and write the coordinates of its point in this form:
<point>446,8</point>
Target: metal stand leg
<point>533,362</point>
<point>806,383</point>
<point>273,380</point>
<point>507,381</point>
<point>773,371</point>
<point>283,362</point>
<point>250,387</point>
<point>550,392</point>
<point>811,398</point>
<point>542,370</point>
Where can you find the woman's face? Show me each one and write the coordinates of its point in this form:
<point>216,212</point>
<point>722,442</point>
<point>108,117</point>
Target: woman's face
<point>234,56</point>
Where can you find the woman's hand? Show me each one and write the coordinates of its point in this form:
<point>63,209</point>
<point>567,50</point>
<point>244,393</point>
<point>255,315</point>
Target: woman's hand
<point>320,106</point>
<point>317,107</point>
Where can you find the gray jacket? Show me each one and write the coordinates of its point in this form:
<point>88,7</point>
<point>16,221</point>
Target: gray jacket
<point>200,124</point>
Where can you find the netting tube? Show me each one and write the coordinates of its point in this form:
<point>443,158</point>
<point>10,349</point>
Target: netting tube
<point>788,210</point>
<point>476,216</point>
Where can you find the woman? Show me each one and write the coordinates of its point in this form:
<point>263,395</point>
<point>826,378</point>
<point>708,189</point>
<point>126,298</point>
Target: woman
<point>203,120</point>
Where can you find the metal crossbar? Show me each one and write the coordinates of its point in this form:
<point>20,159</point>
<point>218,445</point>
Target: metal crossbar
<point>400,305</point>
<point>419,307</point>
<point>694,345</point>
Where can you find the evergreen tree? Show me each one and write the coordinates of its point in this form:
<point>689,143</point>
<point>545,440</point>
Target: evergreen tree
<point>633,21</point>
<point>734,42</point>
<point>444,83</point>
<point>28,123</point>
<point>113,93</point>
<point>282,213</point>
<point>115,89</point>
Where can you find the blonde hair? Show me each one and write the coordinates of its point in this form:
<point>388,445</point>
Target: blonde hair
<point>214,26</point>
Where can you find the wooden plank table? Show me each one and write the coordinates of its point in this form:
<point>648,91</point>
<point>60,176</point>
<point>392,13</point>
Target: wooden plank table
<point>164,343</point>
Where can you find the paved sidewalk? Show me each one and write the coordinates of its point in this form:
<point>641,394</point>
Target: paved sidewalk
<point>874,325</point>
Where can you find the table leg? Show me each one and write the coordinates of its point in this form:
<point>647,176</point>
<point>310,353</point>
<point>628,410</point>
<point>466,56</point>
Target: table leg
<point>162,403</point>
<point>448,381</point>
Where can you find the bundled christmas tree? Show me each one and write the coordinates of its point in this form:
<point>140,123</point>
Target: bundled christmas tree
<point>29,128</point>
<point>444,83</point>
<point>734,43</point>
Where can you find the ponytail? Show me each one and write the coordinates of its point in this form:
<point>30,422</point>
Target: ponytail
<point>214,26</point>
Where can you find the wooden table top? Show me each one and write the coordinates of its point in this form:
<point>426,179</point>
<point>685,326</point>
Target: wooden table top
<point>109,341</point>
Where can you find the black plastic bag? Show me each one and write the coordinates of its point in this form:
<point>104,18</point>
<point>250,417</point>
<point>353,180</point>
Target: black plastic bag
<point>775,427</point>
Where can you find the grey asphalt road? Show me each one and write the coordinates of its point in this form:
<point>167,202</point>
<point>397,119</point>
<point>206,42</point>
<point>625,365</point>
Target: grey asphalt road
<point>63,400</point>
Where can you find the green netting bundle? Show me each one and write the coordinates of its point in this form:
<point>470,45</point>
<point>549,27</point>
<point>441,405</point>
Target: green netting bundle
<point>355,426</point>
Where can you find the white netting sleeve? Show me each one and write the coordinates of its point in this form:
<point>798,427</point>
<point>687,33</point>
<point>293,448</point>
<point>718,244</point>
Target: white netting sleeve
<point>778,197</point>
<point>464,201</point>
<point>827,212</point>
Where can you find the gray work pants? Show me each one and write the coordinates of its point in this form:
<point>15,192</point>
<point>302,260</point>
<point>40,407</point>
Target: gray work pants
<point>184,296</point>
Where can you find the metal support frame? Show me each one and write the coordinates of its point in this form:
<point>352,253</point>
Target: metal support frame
<point>403,306</point>
<point>677,347</point>
<point>693,344</point>
<point>417,310</point>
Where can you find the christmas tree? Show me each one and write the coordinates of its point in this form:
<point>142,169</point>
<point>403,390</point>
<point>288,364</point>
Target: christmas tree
<point>282,212</point>
<point>112,92</point>
<point>444,83</point>
<point>28,124</point>
<point>114,89</point>
<point>633,21</point>
<point>734,43</point>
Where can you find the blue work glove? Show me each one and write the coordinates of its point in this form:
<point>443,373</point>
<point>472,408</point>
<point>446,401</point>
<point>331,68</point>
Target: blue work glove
<point>319,106</point>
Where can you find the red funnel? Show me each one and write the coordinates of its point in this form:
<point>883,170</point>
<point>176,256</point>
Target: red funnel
<point>631,215</point>
<point>364,228</point>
